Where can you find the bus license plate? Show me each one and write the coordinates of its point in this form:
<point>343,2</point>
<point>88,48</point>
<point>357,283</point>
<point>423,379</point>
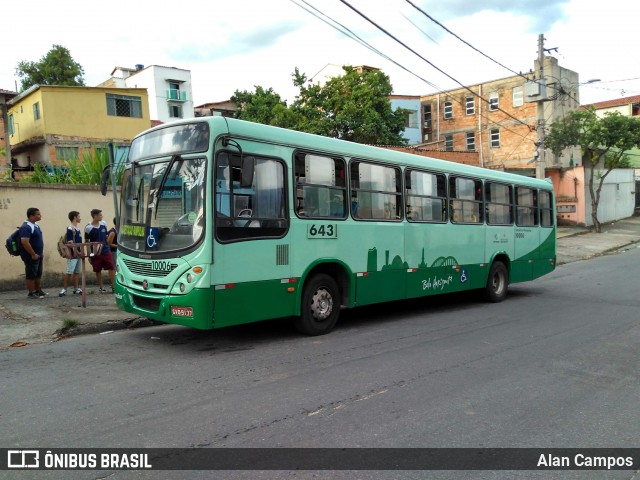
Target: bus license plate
<point>181,311</point>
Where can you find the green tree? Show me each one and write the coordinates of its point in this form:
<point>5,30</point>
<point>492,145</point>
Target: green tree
<point>603,140</point>
<point>354,106</point>
<point>57,67</point>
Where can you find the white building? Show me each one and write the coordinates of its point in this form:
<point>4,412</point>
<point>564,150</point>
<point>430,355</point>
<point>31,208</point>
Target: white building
<point>169,89</point>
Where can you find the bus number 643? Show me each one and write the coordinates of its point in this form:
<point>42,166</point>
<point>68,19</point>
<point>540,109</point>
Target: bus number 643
<point>322,231</point>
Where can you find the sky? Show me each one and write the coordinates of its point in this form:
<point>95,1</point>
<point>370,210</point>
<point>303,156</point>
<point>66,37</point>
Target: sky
<point>240,44</point>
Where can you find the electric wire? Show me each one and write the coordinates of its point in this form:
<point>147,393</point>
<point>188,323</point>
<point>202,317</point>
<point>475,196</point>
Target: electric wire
<point>428,61</point>
<point>343,29</point>
<point>462,40</point>
<point>355,37</point>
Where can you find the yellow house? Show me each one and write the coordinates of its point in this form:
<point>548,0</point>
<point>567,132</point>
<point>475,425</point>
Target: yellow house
<point>50,124</point>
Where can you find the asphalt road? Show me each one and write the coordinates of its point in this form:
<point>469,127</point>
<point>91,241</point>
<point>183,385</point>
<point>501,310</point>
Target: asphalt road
<point>555,365</point>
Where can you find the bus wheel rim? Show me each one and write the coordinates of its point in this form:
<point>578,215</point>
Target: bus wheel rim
<point>498,283</point>
<point>321,304</point>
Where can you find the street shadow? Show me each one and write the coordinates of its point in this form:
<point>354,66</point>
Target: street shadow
<point>242,338</point>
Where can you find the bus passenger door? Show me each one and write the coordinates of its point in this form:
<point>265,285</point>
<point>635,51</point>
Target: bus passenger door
<point>251,271</point>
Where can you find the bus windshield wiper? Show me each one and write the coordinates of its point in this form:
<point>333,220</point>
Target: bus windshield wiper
<point>165,175</point>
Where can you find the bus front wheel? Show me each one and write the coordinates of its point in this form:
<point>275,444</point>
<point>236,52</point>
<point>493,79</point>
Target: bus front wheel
<point>320,306</point>
<point>496,289</point>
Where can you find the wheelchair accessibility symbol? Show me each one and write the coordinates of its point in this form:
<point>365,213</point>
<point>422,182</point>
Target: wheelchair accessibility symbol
<point>152,238</point>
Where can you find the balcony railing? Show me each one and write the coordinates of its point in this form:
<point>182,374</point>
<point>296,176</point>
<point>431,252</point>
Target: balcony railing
<point>176,95</point>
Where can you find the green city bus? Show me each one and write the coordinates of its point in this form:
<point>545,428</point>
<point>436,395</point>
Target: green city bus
<point>224,222</point>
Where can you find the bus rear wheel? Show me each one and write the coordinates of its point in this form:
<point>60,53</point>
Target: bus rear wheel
<point>497,283</point>
<point>320,306</point>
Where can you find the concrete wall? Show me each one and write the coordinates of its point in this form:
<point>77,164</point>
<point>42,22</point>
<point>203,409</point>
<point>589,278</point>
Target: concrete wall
<point>54,202</point>
<point>617,198</point>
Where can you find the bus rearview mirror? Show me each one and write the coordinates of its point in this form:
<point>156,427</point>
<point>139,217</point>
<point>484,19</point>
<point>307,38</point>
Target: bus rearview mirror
<point>104,182</point>
<point>248,164</point>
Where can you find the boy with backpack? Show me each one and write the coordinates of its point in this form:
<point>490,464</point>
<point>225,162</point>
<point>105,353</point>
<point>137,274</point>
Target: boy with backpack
<point>31,252</point>
<point>96,231</point>
<point>74,235</point>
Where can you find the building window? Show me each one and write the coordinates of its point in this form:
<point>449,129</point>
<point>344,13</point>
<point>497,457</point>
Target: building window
<point>175,111</point>
<point>66,153</point>
<point>493,101</point>
<point>124,106</point>
<point>448,143</point>
<point>471,141</point>
<point>426,117</point>
<point>36,111</point>
<point>411,119</point>
<point>11,126</point>
<point>470,106</point>
<point>518,96</point>
<point>448,110</point>
<point>495,138</point>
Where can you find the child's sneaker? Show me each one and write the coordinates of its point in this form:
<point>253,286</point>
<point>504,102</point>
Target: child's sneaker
<point>63,292</point>
<point>102,290</point>
<point>41,293</point>
<point>34,295</point>
<point>77,291</point>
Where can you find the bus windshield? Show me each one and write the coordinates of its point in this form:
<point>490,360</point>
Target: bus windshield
<point>163,205</point>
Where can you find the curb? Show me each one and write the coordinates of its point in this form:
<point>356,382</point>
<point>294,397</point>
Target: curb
<point>105,327</point>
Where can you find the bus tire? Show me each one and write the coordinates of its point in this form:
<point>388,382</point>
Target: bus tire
<point>497,283</point>
<point>320,306</point>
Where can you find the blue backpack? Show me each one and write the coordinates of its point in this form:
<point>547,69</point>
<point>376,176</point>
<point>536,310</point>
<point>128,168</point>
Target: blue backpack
<point>13,243</point>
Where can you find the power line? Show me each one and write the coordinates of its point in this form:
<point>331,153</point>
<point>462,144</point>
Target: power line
<point>429,62</point>
<point>355,37</point>
<point>349,33</point>
<point>462,40</point>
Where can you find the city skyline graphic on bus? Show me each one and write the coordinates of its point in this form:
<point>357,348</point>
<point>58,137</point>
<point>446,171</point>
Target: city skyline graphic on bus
<point>397,262</point>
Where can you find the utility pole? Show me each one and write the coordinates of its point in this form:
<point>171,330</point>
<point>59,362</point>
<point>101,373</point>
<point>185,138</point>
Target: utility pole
<point>540,159</point>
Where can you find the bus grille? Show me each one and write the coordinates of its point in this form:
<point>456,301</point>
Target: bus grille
<point>144,268</point>
<point>146,303</point>
<point>282,254</point>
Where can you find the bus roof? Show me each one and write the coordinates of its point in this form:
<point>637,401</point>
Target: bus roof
<point>306,141</point>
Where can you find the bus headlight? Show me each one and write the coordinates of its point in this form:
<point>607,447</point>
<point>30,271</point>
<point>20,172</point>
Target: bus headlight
<point>189,278</point>
<point>182,287</point>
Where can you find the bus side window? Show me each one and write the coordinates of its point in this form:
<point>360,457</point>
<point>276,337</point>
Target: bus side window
<point>320,186</point>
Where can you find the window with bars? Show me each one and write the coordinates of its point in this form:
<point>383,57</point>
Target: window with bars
<point>124,106</point>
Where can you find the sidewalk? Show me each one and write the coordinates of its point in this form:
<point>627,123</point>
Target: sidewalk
<point>26,321</point>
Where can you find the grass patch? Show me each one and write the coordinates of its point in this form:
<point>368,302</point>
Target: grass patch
<point>68,324</point>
